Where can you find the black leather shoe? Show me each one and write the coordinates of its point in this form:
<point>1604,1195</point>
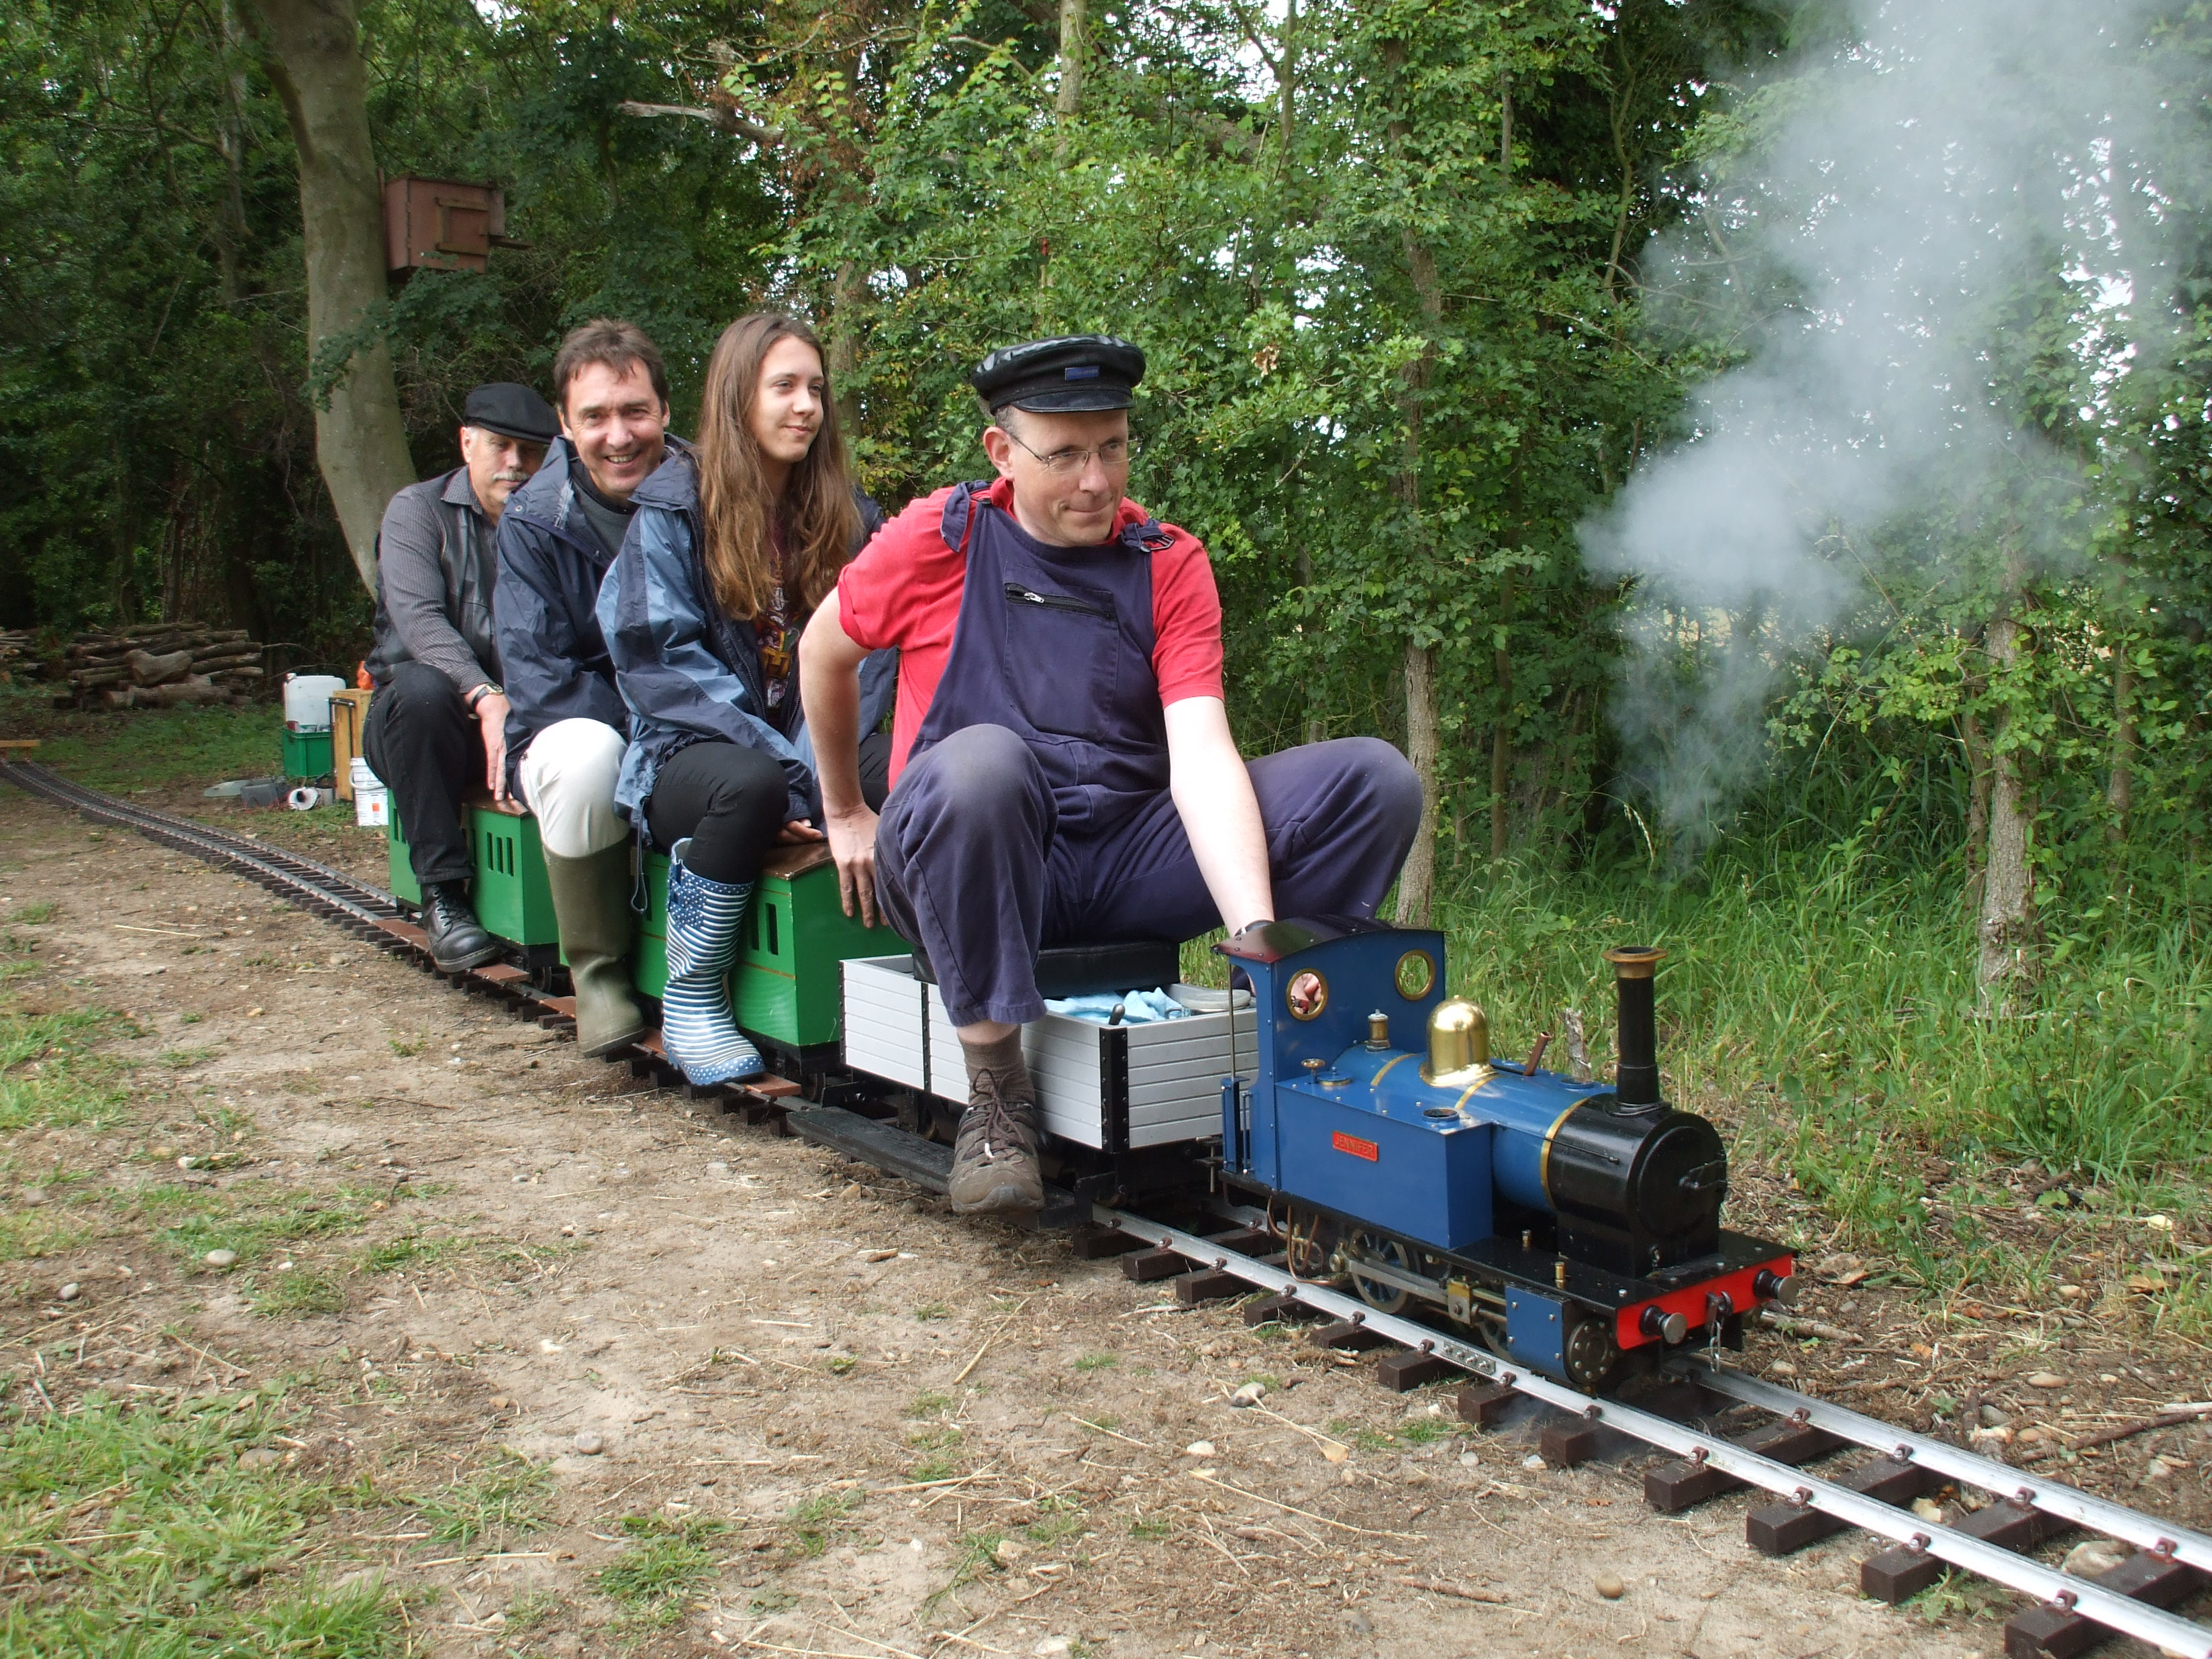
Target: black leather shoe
<point>458,940</point>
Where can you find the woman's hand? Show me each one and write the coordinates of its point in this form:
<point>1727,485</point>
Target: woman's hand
<point>796,831</point>
<point>853,844</point>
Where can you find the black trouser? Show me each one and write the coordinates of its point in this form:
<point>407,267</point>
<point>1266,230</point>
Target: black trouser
<point>421,740</point>
<point>730,800</point>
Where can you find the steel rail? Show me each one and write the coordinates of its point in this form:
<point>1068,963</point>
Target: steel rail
<point>2163,1630</point>
<point>1999,1480</point>
<point>319,881</point>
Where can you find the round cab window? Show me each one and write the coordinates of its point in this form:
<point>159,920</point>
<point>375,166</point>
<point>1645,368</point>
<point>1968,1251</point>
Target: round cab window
<point>1306,995</point>
<point>1416,975</point>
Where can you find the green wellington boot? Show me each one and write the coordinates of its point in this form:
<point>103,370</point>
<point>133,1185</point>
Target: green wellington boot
<point>591,903</point>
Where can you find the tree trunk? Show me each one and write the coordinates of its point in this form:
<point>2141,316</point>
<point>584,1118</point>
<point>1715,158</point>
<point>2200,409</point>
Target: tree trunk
<point>1069,100</point>
<point>2120,787</point>
<point>1977,807</point>
<point>2009,935</point>
<point>1501,763</point>
<point>1417,882</point>
<point>360,443</point>
<point>844,345</point>
<point>1315,728</point>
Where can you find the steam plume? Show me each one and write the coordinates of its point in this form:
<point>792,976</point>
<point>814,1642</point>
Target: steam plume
<point>1877,263</point>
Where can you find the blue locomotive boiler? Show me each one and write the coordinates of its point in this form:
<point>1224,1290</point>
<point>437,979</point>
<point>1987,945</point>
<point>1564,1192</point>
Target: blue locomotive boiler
<point>1574,1227</point>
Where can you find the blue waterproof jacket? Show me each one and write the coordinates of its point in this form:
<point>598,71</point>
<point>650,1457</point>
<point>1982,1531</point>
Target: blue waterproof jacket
<point>690,674</point>
<point>545,609</point>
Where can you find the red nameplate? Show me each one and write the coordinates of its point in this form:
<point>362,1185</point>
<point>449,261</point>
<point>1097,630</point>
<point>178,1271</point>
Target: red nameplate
<point>1355,1146</point>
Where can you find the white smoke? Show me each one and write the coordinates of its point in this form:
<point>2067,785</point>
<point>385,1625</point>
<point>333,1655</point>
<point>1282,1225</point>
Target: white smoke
<point>1877,254</point>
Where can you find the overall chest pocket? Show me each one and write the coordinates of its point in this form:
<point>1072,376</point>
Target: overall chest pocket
<point>1063,655</point>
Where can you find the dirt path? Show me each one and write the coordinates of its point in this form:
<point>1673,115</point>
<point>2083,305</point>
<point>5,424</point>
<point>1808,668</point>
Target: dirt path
<point>832,1418</point>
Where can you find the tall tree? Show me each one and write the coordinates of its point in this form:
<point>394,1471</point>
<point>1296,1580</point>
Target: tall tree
<point>360,442</point>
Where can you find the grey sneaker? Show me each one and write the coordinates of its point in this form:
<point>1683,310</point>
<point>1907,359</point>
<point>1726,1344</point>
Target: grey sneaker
<point>995,1162</point>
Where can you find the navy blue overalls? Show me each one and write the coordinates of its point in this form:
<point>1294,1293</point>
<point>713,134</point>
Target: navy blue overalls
<point>1034,809</point>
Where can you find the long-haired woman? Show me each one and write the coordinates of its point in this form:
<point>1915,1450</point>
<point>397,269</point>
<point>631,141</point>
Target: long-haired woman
<point>730,548</point>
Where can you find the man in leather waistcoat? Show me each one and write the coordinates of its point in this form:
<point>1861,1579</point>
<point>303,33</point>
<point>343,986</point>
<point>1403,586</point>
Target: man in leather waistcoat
<point>437,724</point>
<point>1062,761</point>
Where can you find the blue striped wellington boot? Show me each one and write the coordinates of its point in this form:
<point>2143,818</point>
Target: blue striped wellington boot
<point>697,1027</point>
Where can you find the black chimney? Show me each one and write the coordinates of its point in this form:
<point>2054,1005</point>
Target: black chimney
<point>1636,1041</point>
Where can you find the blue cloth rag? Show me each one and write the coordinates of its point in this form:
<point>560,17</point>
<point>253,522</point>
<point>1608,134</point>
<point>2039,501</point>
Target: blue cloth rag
<point>1137,1007</point>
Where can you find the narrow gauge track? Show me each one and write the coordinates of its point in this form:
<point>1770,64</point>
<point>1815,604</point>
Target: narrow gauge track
<point>1235,1256</point>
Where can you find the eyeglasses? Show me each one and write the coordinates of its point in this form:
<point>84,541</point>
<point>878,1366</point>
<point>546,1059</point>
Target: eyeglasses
<point>1114,454</point>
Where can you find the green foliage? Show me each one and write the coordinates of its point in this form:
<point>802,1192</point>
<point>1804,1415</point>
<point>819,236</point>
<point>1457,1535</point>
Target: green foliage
<point>665,1563</point>
<point>136,1529</point>
<point>505,1496</point>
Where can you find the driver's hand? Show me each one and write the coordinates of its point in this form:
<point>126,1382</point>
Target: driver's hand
<point>853,845</point>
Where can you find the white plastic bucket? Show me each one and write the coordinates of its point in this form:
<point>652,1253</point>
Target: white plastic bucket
<point>372,803</point>
<point>307,700</point>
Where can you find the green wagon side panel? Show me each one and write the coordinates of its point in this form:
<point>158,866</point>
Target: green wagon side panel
<point>786,980</point>
<point>403,884</point>
<point>511,897</point>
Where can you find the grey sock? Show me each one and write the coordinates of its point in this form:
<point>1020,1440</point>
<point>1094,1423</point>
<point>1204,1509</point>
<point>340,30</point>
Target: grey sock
<point>1009,1072</point>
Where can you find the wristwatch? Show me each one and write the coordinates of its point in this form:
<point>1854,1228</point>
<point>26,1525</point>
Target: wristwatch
<point>487,689</point>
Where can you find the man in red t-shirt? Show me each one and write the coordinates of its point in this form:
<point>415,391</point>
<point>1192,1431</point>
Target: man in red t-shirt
<point>1062,763</point>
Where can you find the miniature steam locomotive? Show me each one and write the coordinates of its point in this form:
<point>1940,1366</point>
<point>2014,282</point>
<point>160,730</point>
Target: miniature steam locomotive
<point>1574,1228</point>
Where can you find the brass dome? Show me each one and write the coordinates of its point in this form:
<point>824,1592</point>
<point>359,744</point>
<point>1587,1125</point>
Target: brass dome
<point>1459,1044</point>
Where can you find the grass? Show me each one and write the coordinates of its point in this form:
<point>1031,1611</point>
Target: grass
<point>412,1253</point>
<point>1097,1362</point>
<point>135,1530</point>
<point>505,1496</point>
<point>28,1235</point>
<point>251,1218</point>
<point>815,1521</point>
<point>665,1563</point>
<point>1413,1431</point>
<point>932,1311</point>
<point>300,1293</point>
<point>149,747</point>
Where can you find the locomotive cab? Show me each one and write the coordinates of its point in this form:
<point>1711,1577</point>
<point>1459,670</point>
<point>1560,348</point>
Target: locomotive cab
<point>1574,1226</point>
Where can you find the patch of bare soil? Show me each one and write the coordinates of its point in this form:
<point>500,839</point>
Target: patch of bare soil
<point>2082,1386</point>
<point>837,1419</point>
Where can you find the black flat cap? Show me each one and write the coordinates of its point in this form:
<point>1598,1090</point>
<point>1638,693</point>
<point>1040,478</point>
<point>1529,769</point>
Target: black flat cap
<point>513,411</point>
<point>1073,375</point>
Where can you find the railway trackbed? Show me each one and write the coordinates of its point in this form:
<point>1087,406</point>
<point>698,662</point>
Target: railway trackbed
<point>1719,1429</point>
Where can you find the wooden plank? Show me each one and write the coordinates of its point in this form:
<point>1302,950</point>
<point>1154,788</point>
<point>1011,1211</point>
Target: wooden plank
<point>1901,1571</point>
<point>2049,1632</point>
<point>1482,1404</point>
<point>1343,1333</point>
<point>1672,1487</point>
<point>1146,1267</point>
<point>1402,1373</point>
<point>1207,1285</point>
<point>1567,1441</point>
<point>1784,1528</point>
<point>500,973</point>
<point>1283,1310</point>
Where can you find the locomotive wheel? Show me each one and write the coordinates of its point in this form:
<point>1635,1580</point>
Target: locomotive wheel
<point>1593,1356</point>
<point>1376,1293</point>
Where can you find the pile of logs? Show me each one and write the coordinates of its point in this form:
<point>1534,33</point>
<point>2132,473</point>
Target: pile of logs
<point>157,667</point>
